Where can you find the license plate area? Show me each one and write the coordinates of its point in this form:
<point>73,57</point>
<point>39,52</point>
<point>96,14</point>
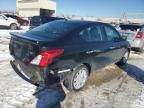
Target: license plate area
<point>17,52</point>
<point>20,50</point>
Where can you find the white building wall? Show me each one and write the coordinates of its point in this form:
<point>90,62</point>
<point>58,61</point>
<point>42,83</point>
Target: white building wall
<point>47,4</point>
<point>27,8</point>
<point>29,12</point>
<point>27,4</point>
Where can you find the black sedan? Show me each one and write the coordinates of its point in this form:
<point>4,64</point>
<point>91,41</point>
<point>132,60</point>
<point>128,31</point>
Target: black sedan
<point>68,49</point>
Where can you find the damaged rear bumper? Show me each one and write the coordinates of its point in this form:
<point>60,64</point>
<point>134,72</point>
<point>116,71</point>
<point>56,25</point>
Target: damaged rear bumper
<point>38,76</point>
<point>29,75</point>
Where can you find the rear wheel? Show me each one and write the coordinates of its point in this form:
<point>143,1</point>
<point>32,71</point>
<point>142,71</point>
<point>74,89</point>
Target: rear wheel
<point>77,79</point>
<point>124,59</point>
<point>13,26</point>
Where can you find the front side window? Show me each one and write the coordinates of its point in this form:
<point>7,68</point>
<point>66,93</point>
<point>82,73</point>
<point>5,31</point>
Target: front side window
<point>111,33</point>
<point>91,34</point>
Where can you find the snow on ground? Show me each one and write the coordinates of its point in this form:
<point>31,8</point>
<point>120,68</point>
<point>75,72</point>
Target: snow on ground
<point>14,92</point>
<point>4,41</point>
<point>110,87</point>
<point>5,32</point>
<point>124,91</point>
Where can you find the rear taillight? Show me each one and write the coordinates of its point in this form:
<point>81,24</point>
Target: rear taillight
<point>139,34</point>
<point>46,57</point>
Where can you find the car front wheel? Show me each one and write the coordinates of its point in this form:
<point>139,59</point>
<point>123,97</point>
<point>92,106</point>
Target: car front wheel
<point>77,79</point>
<point>124,59</point>
<point>13,26</point>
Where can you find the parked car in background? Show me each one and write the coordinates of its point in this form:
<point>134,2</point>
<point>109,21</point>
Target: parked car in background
<point>115,25</point>
<point>134,34</point>
<point>39,20</point>
<point>69,49</point>
<point>20,20</point>
<point>6,22</point>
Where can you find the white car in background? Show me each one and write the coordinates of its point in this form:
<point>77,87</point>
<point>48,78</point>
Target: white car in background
<point>135,35</point>
<point>6,22</point>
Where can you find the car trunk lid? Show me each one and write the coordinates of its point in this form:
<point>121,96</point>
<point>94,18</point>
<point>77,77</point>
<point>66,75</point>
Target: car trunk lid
<point>129,30</point>
<point>129,34</point>
<point>24,48</point>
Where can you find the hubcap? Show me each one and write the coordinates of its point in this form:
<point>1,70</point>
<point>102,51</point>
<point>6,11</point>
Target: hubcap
<point>125,58</point>
<point>80,78</point>
<point>13,27</point>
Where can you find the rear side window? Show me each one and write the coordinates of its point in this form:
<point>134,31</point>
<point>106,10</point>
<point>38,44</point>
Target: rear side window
<point>91,34</point>
<point>111,33</point>
<point>12,16</point>
<point>45,20</point>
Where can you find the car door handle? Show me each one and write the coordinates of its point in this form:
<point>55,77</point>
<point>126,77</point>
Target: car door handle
<point>112,47</point>
<point>93,51</point>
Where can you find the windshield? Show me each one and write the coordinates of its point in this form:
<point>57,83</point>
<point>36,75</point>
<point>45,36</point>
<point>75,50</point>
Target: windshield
<point>3,17</point>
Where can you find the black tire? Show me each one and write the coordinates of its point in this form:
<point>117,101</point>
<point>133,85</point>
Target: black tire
<point>69,82</point>
<point>13,26</point>
<point>124,59</point>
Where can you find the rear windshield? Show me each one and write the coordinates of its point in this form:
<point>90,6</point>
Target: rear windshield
<point>53,30</point>
<point>130,27</point>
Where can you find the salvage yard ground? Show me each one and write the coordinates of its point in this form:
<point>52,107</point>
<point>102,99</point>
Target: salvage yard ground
<point>110,87</point>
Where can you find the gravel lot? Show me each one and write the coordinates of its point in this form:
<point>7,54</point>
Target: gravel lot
<point>110,87</point>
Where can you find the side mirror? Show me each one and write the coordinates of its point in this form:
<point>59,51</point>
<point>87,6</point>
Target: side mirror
<point>123,38</point>
<point>116,39</point>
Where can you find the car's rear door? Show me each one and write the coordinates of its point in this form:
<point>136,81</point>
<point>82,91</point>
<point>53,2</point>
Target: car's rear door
<point>97,50</point>
<point>95,43</point>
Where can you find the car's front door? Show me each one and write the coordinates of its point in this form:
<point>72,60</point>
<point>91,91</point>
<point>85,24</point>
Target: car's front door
<point>114,44</point>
